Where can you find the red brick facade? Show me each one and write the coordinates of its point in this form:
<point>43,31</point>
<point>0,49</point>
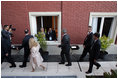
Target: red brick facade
<point>75,15</point>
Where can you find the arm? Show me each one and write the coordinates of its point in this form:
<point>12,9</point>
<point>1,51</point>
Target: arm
<point>97,50</point>
<point>55,35</point>
<point>23,44</point>
<point>33,52</point>
<point>89,41</point>
<point>65,42</point>
<point>5,35</point>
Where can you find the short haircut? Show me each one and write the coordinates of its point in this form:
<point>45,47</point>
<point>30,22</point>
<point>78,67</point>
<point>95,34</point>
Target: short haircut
<point>90,27</point>
<point>64,31</point>
<point>97,35</point>
<point>5,26</point>
<point>26,31</point>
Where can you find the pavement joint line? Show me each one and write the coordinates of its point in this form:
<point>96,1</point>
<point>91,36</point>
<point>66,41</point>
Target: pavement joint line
<point>79,66</point>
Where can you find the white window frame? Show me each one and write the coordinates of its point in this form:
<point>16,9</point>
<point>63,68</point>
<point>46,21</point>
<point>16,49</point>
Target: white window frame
<point>103,15</point>
<point>33,24</point>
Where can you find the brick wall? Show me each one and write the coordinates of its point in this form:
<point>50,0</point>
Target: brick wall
<point>75,15</point>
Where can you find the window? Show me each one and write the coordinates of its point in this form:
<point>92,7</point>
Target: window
<point>49,21</point>
<point>104,23</point>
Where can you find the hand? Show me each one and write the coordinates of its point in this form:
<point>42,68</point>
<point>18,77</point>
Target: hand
<point>10,30</point>
<point>84,46</point>
<point>6,54</point>
<point>17,48</point>
<point>94,60</point>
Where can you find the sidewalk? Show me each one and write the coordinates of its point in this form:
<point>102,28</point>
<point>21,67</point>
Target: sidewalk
<point>54,70</point>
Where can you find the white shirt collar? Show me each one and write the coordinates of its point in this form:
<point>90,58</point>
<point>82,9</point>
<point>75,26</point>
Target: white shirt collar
<point>65,34</point>
<point>89,32</point>
<point>27,34</point>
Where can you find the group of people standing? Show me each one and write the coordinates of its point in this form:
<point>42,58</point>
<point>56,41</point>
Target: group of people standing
<point>31,47</point>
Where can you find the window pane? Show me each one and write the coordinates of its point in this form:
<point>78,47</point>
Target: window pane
<point>107,26</point>
<point>38,23</point>
<point>98,24</point>
<point>94,24</point>
<point>47,22</point>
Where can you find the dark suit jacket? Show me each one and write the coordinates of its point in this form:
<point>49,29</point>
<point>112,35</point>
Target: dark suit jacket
<point>95,50</point>
<point>25,43</point>
<point>5,41</point>
<point>3,48</point>
<point>65,43</point>
<point>51,34</point>
<point>88,40</point>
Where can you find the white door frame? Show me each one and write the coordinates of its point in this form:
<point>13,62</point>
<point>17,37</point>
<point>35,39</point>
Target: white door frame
<point>33,24</point>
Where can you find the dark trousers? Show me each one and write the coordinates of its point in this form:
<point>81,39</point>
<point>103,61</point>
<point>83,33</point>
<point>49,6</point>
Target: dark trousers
<point>67,55</point>
<point>84,53</point>
<point>8,58</point>
<point>91,63</point>
<point>26,55</point>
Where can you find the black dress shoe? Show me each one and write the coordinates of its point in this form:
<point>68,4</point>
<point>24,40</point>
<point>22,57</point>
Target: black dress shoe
<point>98,67</point>
<point>21,66</point>
<point>88,72</point>
<point>68,65</point>
<point>12,66</point>
<point>61,63</point>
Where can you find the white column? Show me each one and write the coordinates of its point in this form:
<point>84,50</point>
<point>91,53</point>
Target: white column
<point>59,28</point>
<point>33,26</point>
<point>41,21</point>
<point>1,27</point>
<point>101,26</point>
<point>113,28</point>
<point>94,24</point>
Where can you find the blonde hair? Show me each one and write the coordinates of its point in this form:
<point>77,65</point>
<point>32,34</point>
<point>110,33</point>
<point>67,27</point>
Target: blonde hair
<point>32,43</point>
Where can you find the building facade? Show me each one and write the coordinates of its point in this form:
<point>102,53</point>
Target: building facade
<point>75,16</point>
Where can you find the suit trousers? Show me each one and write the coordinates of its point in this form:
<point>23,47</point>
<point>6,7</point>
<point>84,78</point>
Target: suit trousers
<point>8,58</point>
<point>67,55</point>
<point>84,53</point>
<point>91,63</point>
<point>26,55</point>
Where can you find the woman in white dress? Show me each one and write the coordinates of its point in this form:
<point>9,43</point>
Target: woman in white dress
<point>35,57</point>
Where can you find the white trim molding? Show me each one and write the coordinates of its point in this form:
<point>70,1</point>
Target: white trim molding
<point>101,14</point>
<point>33,24</point>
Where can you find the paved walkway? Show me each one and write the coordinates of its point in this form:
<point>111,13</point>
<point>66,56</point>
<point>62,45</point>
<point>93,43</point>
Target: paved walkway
<point>55,70</point>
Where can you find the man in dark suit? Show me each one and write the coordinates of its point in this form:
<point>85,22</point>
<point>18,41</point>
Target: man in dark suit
<point>65,46</point>
<point>94,53</point>
<point>25,44</point>
<point>87,43</point>
<point>51,35</point>
<point>6,46</point>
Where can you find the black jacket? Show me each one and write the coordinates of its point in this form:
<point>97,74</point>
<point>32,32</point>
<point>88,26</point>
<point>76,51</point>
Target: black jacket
<point>65,43</point>
<point>88,40</point>
<point>51,34</point>
<point>95,50</point>
<point>5,41</point>
<point>25,43</point>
